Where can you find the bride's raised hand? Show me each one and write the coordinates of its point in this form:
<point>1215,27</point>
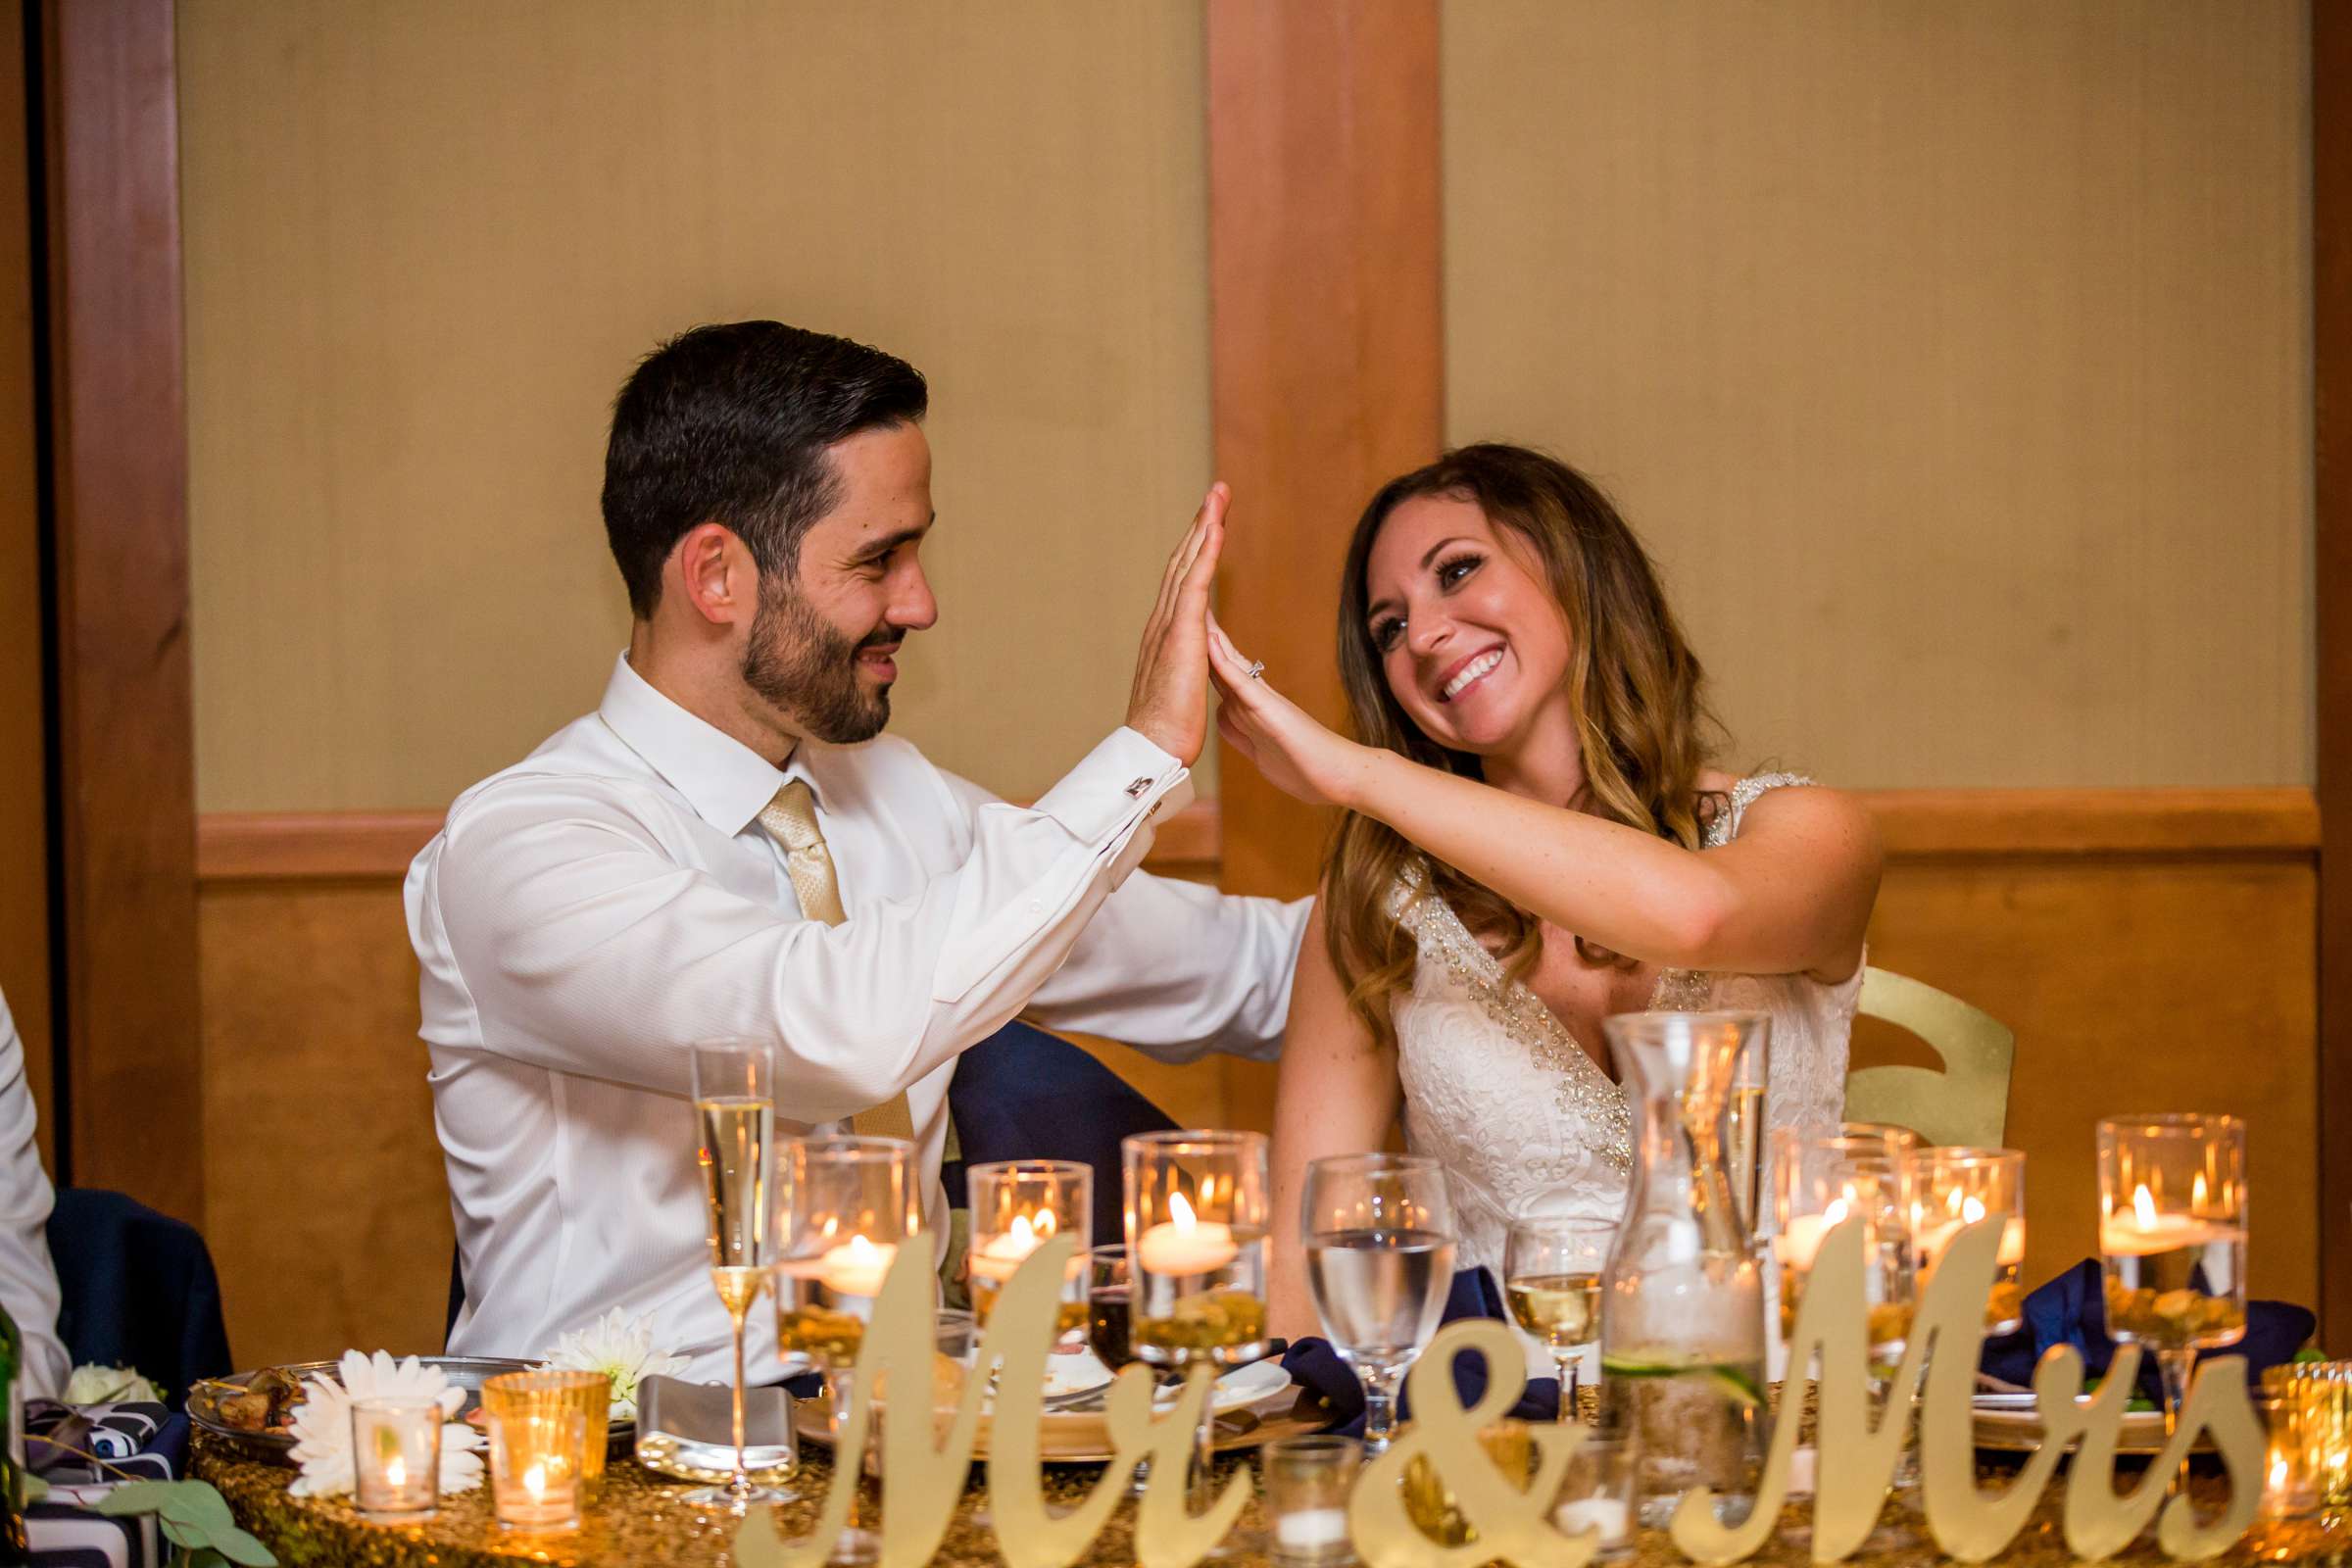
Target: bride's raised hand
<point>1298,755</point>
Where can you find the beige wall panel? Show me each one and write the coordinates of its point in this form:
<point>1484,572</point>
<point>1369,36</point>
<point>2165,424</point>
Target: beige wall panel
<point>1953,359</point>
<point>426,241</point>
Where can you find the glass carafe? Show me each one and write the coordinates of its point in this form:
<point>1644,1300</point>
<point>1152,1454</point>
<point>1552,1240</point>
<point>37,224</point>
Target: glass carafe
<point>1683,1297</point>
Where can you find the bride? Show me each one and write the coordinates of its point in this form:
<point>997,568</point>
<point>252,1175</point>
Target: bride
<point>1532,840</point>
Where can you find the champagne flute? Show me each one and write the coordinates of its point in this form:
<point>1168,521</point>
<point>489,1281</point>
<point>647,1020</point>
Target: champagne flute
<point>2173,1241</point>
<point>1744,1145</point>
<point>1195,1218</point>
<point>844,1207</point>
<point>1552,1266</point>
<point>1380,1245</point>
<point>734,1120</point>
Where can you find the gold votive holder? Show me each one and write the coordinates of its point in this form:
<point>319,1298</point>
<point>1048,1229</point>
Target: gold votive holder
<point>396,1458</point>
<point>588,1393</point>
<point>2315,1416</point>
<point>535,1469</point>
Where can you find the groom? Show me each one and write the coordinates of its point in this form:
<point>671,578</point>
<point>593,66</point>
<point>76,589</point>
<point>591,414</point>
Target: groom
<point>729,848</point>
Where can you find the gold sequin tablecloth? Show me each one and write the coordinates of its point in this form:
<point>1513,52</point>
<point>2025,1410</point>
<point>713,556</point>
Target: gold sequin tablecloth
<point>640,1523</point>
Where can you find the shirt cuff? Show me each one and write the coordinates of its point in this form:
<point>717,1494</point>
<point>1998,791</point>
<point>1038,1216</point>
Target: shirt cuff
<point>1115,787</point>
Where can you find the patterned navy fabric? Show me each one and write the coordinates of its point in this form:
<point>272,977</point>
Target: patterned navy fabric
<point>138,1291</point>
<point>2071,1309</point>
<point>1023,1094</point>
<point>1315,1364</point>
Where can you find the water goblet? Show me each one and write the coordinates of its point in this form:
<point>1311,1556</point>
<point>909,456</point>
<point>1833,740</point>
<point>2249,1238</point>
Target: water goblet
<point>2173,1240</point>
<point>844,1207</point>
<point>1380,1245</point>
<point>1552,1268</point>
<point>734,1120</point>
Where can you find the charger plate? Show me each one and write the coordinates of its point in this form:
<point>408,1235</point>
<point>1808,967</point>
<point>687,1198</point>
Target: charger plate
<point>1255,1404</point>
<point>467,1372</point>
<point>2009,1423</point>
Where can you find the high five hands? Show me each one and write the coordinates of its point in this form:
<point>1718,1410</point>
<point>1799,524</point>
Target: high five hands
<point>1184,650</point>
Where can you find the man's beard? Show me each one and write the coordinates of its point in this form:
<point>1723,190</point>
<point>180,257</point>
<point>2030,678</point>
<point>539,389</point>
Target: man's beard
<point>808,670</point>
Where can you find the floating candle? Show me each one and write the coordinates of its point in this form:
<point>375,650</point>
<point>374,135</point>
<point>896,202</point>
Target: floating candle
<point>855,1267</point>
<point>2145,1231</point>
<point>1607,1515</point>
<point>996,1257</point>
<point>1308,1529</point>
<point>1181,1245</point>
<point>1801,1237</point>
<point>1933,1241</point>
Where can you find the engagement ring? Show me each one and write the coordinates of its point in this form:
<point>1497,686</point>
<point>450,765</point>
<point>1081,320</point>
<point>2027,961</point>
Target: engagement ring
<point>1257,667</point>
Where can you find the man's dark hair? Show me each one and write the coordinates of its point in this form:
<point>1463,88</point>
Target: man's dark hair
<point>729,424</point>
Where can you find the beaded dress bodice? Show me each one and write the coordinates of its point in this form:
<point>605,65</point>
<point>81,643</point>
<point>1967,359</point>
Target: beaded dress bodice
<point>1500,1094</point>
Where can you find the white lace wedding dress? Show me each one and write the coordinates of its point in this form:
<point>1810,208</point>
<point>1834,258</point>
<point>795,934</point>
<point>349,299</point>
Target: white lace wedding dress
<point>1499,1093</point>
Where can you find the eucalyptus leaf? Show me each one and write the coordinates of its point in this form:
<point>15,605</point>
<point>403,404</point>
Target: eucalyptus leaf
<point>182,1535</point>
<point>136,1496</point>
<point>197,1502</point>
<point>239,1547</point>
<point>202,1558</point>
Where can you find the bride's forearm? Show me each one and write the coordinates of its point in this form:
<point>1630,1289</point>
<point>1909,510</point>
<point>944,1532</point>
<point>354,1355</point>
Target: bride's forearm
<point>1629,891</point>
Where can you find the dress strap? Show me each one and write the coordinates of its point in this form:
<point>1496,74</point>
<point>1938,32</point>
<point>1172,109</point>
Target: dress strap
<point>1744,794</point>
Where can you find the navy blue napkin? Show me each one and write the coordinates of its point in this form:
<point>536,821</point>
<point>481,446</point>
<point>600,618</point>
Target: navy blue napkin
<point>2071,1309</point>
<point>1313,1364</point>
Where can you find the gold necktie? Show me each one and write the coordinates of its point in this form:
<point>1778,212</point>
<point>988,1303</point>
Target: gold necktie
<point>791,820</point>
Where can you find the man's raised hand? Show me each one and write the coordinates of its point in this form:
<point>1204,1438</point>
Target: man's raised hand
<point>1168,705</point>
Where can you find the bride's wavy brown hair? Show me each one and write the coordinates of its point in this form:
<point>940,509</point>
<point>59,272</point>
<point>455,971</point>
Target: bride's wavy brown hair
<point>1633,689</point>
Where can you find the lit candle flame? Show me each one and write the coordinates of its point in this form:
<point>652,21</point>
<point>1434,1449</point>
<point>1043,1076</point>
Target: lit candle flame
<point>1833,1214</point>
<point>534,1482</point>
<point>1180,1212</point>
<point>864,1252</point>
<point>1045,1225</point>
<point>2143,1208</point>
<point>2196,1194</point>
<point>1952,1200</point>
<point>1022,1236</point>
<point>1972,1211</point>
<point>395,1474</point>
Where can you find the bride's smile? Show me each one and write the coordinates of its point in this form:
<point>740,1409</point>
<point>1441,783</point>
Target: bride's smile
<point>1470,636</point>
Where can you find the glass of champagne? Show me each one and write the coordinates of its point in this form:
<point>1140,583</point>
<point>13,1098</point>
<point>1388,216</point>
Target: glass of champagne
<point>1551,1267</point>
<point>1017,1205</point>
<point>844,1207</point>
<point>1744,1144</point>
<point>1380,1247</point>
<point>734,1121</point>
<point>2173,1240</point>
<point>1196,1220</point>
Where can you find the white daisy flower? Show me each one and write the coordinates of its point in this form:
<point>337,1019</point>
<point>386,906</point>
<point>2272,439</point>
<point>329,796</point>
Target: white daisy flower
<point>323,1422</point>
<point>622,1350</point>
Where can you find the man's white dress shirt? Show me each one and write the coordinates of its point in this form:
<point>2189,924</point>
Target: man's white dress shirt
<point>587,914</point>
<point>28,1273</point>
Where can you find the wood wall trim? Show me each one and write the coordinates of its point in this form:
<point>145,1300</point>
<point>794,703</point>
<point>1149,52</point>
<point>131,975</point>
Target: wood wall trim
<point>372,846</point>
<point>2331,593</point>
<point>1916,824</point>
<point>124,726</point>
<point>1327,360</point>
<point>2006,824</point>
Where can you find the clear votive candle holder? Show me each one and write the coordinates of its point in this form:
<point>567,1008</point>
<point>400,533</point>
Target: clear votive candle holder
<point>546,1390</point>
<point>1308,1482</point>
<point>396,1458</point>
<point>2318,1398</point>
<point>1596,1493</point>
<point>535,1461</point>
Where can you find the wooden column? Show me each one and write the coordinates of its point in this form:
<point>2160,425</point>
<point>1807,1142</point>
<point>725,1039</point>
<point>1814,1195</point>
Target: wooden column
<point>123,737</point>
<point>2332,587</point>
<point>1327,356</point>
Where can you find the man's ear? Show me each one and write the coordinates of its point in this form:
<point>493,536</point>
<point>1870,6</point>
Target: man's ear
<point>711,571</point>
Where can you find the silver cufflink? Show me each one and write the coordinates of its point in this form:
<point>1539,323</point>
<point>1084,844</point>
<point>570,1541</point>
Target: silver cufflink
<point>1134,791</point>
